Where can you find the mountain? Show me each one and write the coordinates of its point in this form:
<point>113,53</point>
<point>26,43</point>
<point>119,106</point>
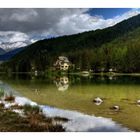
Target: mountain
<point>8,46</point>
<point>8,55</point>
<point>116,48</point>
<point>2,51</point>
<point>8,49</point>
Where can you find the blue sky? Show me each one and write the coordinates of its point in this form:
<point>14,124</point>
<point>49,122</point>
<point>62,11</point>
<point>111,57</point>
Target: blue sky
<point>108,12</point>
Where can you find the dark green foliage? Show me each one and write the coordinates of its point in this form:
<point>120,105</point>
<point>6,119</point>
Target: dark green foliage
<point>1,92</point>
<point>115,47</point>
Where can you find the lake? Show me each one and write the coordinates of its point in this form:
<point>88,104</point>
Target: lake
<point>76,93</point>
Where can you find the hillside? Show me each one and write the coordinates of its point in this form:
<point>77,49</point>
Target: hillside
<point>8,46</point>
<point>113,47</point>
<point>8,55</point>
<point>2,51</point>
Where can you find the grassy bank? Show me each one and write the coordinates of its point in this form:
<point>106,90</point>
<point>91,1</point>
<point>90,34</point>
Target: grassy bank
<point>30,119</point>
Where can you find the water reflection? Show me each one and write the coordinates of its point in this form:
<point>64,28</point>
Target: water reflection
<point>77,121</point>
<point>118,90</point>
<point>84,123</point>
<point>62,83</point>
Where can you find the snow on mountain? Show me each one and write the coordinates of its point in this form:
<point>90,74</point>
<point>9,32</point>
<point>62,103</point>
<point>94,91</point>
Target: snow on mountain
<point>8,46</point>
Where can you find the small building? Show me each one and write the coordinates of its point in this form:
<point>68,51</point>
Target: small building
<point>62,63</point>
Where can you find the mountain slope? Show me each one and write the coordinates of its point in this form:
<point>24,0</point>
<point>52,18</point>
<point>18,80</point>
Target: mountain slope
<point>8,46</point>
<point>89,50</point>
<point>2,51</point>
<point>8,55</point>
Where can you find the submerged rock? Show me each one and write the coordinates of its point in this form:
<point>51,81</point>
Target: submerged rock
<point>98,100</point>
<point>115,107</point>
<point>98,103</point>
<point>138,102</point>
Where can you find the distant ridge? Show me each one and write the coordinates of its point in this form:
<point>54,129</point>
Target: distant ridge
<point>8,55</point>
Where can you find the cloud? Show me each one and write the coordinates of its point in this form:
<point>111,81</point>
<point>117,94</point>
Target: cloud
<point>13,36</point>
<point>119,18</point>
<point>34,24</point>
<point>32,20</point>
<point>80,21</point>
<point>12,39</point>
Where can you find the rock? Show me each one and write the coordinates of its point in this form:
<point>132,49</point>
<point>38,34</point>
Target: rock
<point>116,107</point>
<point>138,102</point>
<point>98,100</point>
<point>98,103</point>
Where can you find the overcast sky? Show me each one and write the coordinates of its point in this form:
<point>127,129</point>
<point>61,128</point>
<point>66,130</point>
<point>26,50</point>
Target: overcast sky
<point>30,25</point>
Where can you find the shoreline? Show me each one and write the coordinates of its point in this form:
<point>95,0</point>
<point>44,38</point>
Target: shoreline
<point>17,117</point>
<point>80,73</point>
<point>43,118</point>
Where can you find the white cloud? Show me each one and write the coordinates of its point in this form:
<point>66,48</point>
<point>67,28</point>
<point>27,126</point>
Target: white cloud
<point>120,18</point>
<point>11,36</point>
<point>18,36</point>
<point>80,21</point>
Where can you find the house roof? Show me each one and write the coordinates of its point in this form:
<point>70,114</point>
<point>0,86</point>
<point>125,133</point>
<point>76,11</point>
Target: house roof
<point>63,58</point>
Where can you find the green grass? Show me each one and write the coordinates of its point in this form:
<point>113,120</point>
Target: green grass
<point>1,92</point>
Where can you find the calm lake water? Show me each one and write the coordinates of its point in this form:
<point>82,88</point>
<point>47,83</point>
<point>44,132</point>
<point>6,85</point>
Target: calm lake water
<point>77,93</point>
